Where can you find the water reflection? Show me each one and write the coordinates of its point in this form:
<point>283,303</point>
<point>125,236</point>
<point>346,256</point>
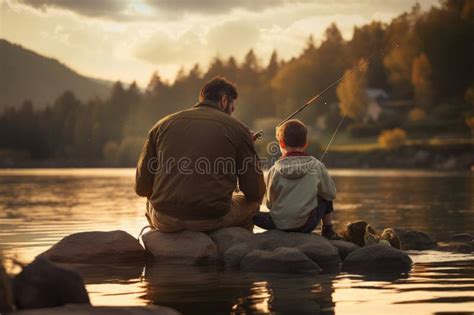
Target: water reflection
<point>39,207</point>
<point>437,205</point>
<point>188,289</point>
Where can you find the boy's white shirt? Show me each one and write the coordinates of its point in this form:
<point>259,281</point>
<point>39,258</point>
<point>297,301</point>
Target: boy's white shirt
<point>293,186</point>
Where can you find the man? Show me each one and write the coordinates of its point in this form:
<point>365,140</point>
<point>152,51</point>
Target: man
<point>190,163</point>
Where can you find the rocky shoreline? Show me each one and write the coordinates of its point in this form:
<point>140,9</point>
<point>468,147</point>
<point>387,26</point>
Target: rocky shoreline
<point>449,158</point>
<point>46,286</point>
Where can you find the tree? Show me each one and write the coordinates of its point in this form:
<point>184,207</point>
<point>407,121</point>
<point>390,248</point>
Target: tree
<point>273,66</point>
<point>403,44</point>
<point>417,115</point>
<point>392,139</point>
<point>366,41</point>
<point>469,95</point>
<point>352,95</point>
<point>421,80</point>
<point>216,68</point>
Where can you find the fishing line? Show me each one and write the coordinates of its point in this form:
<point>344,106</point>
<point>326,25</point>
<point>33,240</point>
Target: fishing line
<point>333,136</point>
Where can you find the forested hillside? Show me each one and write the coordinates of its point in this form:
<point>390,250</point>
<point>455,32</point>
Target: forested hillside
<point>423,61</point>
<point>26,75</point>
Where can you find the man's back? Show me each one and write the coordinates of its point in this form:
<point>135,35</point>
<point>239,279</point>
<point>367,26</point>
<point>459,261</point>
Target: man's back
<point>189,166</point>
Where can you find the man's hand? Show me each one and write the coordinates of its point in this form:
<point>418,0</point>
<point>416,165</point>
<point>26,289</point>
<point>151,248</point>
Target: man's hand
<point>257,135</point>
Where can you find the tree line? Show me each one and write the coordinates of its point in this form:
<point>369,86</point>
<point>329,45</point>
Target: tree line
<point>426,56</point>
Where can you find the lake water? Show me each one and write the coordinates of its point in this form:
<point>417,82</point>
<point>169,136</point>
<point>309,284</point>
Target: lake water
<point>40,206</point>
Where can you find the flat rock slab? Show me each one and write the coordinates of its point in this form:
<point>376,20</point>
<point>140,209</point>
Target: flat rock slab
<point>283,259</point>
<point>101,310</point>
<point>227,237</point>
<point>344,247</point>
<point>377,259</point>
<point>185,247</point>
<point>411,239</point>
<point>97,247</point>
<point>44,284</point>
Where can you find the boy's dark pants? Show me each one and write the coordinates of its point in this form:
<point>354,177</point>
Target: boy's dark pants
<point>264,220</point>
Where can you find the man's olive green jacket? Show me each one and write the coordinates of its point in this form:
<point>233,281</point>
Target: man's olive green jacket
<point>189,165</point>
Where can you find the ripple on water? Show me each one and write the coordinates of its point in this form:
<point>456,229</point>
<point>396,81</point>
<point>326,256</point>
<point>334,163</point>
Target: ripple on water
<point>66,201</point>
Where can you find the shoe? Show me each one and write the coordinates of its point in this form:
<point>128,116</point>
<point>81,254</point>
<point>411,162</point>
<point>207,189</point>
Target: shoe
<point>355,232</point>
<point>370,236</point>
<point>329,233</point>
<point>391,237</point>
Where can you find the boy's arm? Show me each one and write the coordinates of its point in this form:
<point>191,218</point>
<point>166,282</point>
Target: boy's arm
<point>144,176</point>
<point>326,187</point>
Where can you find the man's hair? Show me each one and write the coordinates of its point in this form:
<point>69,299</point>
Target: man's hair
<point>218,87</point>
<point>293,133</point>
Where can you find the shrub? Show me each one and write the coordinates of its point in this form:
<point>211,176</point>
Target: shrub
<point>392,138</point>
<point>470,122</point>
<point>416,115</point>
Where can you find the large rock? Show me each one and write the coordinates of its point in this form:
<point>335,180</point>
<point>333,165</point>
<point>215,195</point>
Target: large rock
<point>463,248</point>
<point>184,247</point>
<point>6,296</point>
<point>462,238</point>
<point>315,247</point>
<point>97,247</point>
<point>234,255</point>
<point>43,284</point>
<point>377,259</point>
<point>227,237</point>
<point>101,310</point>
<point>283,259</point>
<point>411,239</point>
<point>344,247</point>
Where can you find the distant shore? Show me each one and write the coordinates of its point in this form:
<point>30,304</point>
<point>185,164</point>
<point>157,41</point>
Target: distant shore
<point>455,157</point>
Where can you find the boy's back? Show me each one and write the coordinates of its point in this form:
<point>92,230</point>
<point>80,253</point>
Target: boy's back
<point>293,186</point>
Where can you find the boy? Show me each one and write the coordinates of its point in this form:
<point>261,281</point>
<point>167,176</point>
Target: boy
<point>299,188</point>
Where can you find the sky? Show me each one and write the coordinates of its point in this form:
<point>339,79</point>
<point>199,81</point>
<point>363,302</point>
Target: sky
<point>128,40</point>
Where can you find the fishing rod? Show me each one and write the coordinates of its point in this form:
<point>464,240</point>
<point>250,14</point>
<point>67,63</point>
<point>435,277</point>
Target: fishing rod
<point>312,100</point>
<point>320,94</point>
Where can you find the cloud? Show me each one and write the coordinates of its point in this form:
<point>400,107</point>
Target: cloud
<point>233,38</point>
<point>163,49</point>
<point>217,6</point>
<point>152,10</point>
<point>92,8</point>
<point>136,9</point>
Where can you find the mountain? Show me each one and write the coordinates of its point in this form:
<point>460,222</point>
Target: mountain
<point>26,75</point>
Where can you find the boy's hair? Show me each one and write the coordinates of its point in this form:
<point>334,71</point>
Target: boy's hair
<point>293,133</point>
<point>218,87</point>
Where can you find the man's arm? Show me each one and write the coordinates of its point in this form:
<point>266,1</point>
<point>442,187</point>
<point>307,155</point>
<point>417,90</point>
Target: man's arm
<point>250,175</point>
<point>326,187</point>
<point>144,176</point>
